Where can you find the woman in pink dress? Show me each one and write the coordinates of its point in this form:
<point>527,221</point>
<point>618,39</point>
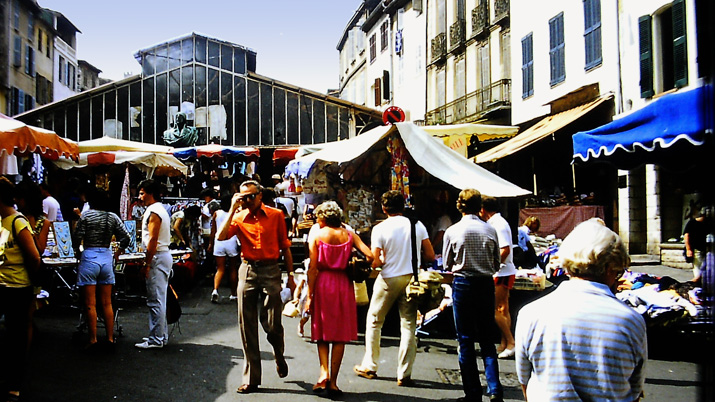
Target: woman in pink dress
<point>331,296</point>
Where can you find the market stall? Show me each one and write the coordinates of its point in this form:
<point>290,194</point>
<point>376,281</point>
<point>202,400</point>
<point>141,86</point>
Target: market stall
<point>18,138</point>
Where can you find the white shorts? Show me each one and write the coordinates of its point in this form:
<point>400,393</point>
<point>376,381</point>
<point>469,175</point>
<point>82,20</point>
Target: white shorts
<point>226,248</point>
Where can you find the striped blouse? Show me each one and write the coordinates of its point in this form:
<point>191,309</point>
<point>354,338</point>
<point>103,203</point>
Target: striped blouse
<point>96,228</point>
<point>581,343</point>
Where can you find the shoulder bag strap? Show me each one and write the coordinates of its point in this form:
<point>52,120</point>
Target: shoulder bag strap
<point>413,243</point>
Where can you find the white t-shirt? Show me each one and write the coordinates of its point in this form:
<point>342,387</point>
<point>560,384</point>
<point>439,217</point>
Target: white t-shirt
<point>393,237</point>
<point>442,223</point>
<point>504,236</point>
<point>52,209</point>
<point>164,229</point>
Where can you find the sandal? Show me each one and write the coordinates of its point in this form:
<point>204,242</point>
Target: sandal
<point>321,386</point>
<point>334,393</point>
<point>364,373</point>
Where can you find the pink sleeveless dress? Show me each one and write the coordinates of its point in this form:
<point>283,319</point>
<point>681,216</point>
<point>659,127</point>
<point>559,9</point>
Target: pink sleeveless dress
<point>333,309</point>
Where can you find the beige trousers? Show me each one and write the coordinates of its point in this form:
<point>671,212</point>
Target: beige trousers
<point>385,293</point>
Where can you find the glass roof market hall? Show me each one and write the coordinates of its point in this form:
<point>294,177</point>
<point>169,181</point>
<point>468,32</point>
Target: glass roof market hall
<point>214,82</point>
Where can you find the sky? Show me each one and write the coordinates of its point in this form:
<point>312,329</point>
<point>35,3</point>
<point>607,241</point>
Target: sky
<point>295,40</point>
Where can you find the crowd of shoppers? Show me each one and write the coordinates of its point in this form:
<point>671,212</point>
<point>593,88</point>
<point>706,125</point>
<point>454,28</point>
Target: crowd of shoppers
<point>556,355</point>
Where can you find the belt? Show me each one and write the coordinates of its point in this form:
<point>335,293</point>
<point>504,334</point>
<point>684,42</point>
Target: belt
<point>260,263</point>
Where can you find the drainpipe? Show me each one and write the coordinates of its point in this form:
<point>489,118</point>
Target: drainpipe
<point>618,47</point>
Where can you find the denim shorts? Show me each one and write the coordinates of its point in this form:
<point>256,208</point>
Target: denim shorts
<point>96,267</point>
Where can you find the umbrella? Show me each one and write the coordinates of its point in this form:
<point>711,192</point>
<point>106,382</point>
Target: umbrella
<point>147,162</point>
<point>116,144</point>
<point>212,150</point>
<point>17,137</point>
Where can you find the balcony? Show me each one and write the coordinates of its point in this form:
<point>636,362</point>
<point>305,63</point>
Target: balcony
<point>439,47</point>
<point>480,19</point>
<point>457,35</point>
<point>501,10</point>
<point>473,105</point>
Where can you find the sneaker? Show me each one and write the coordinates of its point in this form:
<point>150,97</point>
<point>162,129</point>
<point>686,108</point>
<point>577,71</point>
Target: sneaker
<point>166,341</point>
<point>507,354</point>
<point>233,298</point>
<point>147,345</point>
<point>214,296</point>
<point>364,373</point>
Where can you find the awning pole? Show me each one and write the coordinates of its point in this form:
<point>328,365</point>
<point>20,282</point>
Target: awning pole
<point>573,177</point>
<point>533,170</point>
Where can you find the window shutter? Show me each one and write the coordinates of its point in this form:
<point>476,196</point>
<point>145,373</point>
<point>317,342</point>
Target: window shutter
<point>17,56</point>
<point>646,55</point>
<point>527,67</point>
<point>378,94</point>
<point>386,84</point>
<point>680,51</point>
<point>20,101</point>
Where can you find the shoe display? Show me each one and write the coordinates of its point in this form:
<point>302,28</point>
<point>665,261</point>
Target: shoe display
<point>214,296</point>
<point>361,372</point>
<point>507,354</point>
<point>147,345</point>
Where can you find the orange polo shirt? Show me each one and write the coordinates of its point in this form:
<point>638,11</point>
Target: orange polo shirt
<point>262,235</point>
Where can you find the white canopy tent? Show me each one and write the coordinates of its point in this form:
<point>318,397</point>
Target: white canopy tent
<point>430,153</point>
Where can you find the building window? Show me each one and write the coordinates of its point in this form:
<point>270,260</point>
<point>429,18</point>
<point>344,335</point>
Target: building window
<point>39,40</point>
<point>61,72</point>
<point>527,66</point>
<point>556,49</point>
<point>16,15</point>
<point>592,32</point>
<point>383,35</point>
<point>29,102</point>
<point>17,52</point>
<point>670,69</point>
<point>373,49</point>
<point>30,27</point>
<point>71,78</point>
<point>17,101</point>
<point>484,74</point>
<point>30,61</point>
<point>47,45</point>
<point>505,47</point>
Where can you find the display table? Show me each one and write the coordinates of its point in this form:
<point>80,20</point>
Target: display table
<point>561,220</point>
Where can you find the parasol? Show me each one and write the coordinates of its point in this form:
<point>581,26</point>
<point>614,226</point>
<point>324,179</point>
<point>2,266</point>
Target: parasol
<point>148,162</point>
<point>19,138</point>
<point>115,144</point>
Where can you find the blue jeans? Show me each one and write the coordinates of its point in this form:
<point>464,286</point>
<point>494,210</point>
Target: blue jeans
<point>473,305</point>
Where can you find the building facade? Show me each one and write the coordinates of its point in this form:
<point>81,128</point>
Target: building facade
<point>26,52</point>
<point>215,83</point>
<point>382,53</point>
<point>65,60</point>
<point>664,49</point>
<point>468,73</point>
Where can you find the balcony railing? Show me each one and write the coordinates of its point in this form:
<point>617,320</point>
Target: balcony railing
<point>473,105</point>
<point>457,34</point>
<point>439,47</point>
<point>501,10</point>
<point>480,18</point>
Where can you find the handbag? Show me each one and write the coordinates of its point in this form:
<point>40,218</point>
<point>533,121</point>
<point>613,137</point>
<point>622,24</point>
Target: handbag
<point>291,308</point>
<point>359,268</point>
<point>361,297</point>
<point>426,289</point>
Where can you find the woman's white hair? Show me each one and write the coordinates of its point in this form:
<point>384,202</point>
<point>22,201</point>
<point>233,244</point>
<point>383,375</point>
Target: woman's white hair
<point>591,250</point>
<point>331,212</point>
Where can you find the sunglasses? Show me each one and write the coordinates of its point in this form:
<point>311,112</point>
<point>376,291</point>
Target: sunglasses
<point>249,196</point>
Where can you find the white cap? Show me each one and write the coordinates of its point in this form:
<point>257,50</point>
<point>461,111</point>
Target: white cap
<point>276,177</point>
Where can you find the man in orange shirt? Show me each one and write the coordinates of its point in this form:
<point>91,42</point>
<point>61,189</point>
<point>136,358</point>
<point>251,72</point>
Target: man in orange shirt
<point>263,236</point>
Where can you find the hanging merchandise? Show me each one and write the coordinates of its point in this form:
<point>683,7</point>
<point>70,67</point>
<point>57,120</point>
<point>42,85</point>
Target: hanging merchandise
<point>400,172</point>
<point>125,200</point>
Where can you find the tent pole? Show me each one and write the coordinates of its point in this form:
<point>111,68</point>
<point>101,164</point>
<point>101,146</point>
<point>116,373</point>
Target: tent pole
<point>533,171</point>
<point>573,177</point>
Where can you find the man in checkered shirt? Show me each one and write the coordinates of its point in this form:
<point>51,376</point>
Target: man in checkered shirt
<point>471,252</point>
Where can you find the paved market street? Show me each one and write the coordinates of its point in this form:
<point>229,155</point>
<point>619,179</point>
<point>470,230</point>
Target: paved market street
<point>203,362</point>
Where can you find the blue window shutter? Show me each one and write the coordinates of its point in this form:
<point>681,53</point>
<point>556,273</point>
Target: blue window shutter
<point>557,49</point>
<point>646,55</point>
<point>592,33</point>
<point>527,66</point>
<point>680,51</point>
